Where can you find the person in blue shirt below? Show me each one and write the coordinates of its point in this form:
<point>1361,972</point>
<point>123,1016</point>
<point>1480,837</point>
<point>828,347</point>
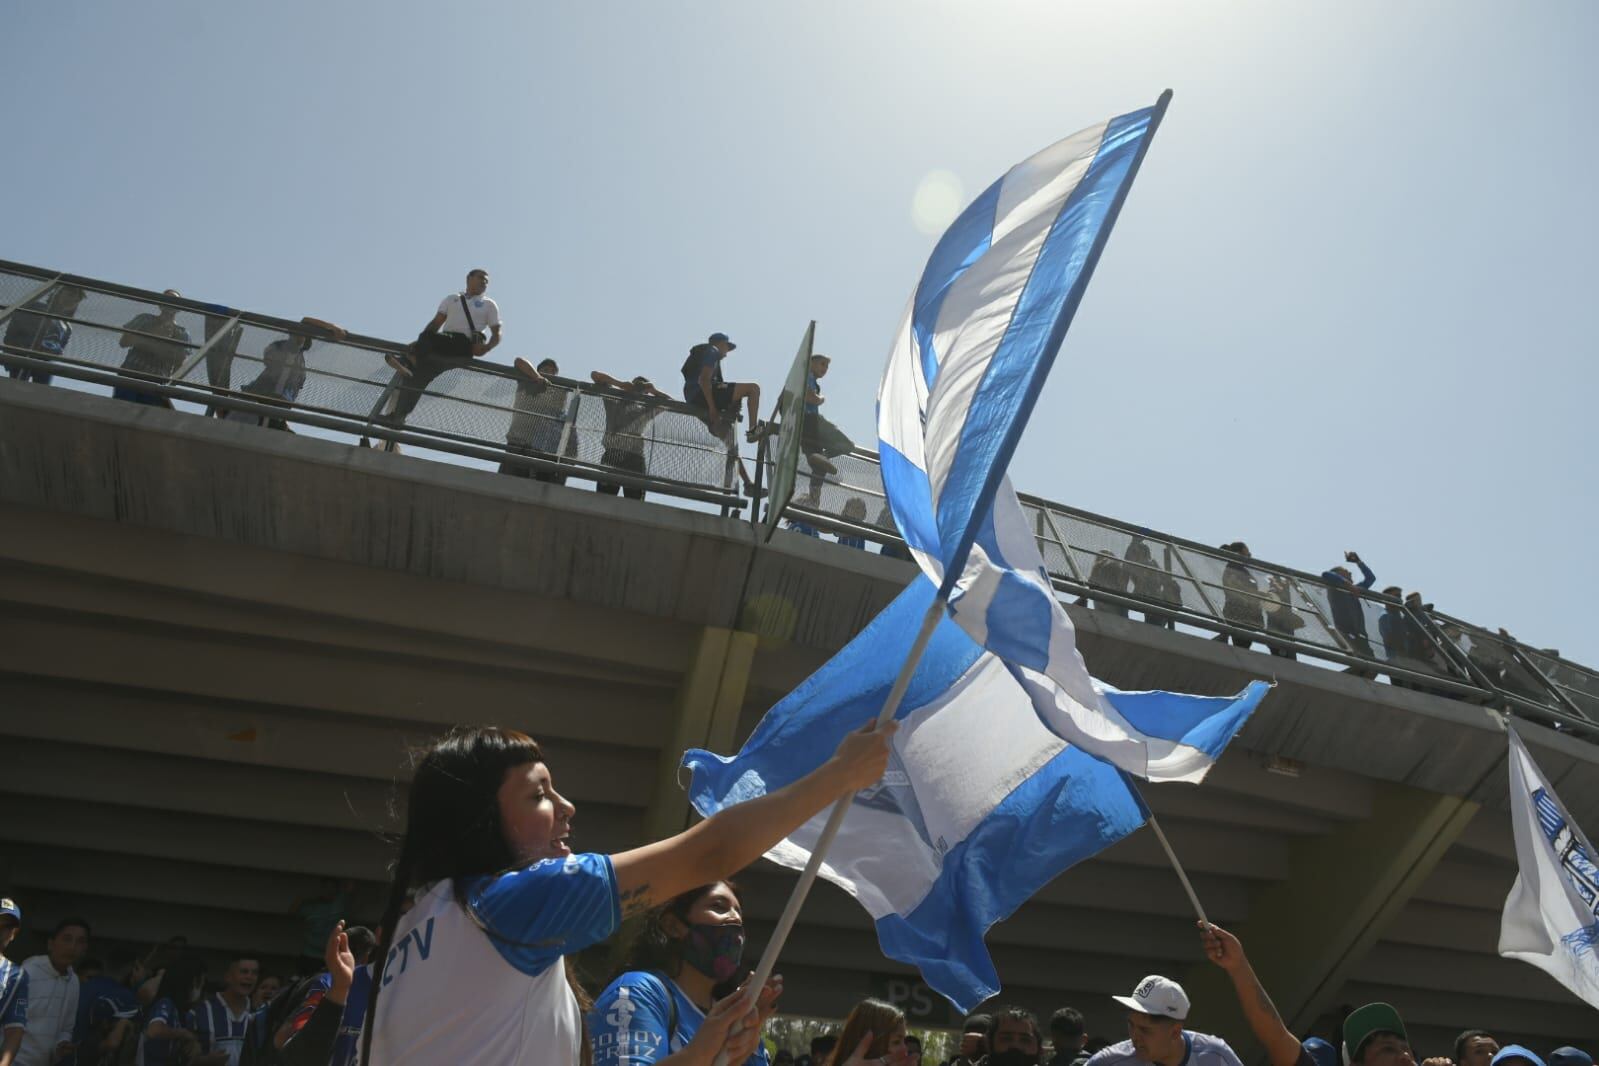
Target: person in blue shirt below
<point>326,1029</point>
<point>476,970</point>
<point>13,986</point>
<point>108,1007</point>
<point>1348,614</point>
<point>222,1021</point>
<point>169,1023</point>
<point>672,1004</point>
<point>854,511</point>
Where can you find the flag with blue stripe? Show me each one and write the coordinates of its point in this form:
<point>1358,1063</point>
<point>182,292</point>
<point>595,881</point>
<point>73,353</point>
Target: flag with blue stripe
<point>982,804</point>
<point>972,353</point>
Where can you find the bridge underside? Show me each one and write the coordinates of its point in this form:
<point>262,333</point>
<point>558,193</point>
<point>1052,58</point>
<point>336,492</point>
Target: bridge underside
<point>216,643</point>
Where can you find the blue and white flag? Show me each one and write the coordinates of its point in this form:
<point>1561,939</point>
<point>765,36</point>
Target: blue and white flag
<point>981,806</point>
<point>1551,916</point>
<point>972,353</point>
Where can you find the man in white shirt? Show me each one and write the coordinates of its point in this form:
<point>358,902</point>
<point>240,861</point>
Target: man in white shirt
<point>53,995</point>
<point>454,337</point>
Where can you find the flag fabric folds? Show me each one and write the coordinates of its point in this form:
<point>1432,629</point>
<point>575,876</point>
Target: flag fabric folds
<point>972,353</point>
<point>982,804</point>
<point>1551,917</point>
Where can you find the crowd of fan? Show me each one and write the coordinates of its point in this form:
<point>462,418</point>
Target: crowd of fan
<point>467,325</point>
<point>65,1007</point>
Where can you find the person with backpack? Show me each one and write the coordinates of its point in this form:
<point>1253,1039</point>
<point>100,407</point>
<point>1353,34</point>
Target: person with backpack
<point>676,991</point>
<point>704,388</point>
<point>465,327</point>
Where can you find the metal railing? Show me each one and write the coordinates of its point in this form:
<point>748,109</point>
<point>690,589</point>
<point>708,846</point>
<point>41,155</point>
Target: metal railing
<point>235,364</point>
<point>251,367</point>
<point>1169,582</point>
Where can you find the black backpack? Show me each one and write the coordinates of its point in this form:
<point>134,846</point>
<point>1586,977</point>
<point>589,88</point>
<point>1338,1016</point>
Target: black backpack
<point>259,1049</point>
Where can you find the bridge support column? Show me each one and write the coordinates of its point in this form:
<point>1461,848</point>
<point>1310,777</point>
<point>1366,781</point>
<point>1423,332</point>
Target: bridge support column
<point>1304,935</point>
<point>707,710</point>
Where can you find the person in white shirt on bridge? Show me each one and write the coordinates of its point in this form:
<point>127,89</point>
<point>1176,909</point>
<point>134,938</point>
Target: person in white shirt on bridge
<point>1156,1013</point>
<point>53,995</point>
<point>475,971</point>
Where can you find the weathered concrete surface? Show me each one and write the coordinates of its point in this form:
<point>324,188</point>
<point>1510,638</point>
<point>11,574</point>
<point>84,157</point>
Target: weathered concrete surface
<point>218,639</point>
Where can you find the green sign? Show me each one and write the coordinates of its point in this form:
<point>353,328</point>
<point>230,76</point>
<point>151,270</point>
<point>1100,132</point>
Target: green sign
<point>784,446</point>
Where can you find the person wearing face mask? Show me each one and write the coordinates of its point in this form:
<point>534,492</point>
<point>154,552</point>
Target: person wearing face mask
<point>1013,1037</point>
<point>874,1035</point>
<point>674,1002</point>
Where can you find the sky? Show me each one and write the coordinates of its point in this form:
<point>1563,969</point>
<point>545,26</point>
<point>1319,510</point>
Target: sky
<point>1349,302</point>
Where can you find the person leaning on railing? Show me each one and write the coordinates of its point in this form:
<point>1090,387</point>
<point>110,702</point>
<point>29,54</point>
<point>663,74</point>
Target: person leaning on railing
<point>283,371</point>
<point>156,346</point>
<point>452,338</point>
<point>36,329</point>
<point>626,418</point>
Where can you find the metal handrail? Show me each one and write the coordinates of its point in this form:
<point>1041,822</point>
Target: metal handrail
<point>1459,674</point>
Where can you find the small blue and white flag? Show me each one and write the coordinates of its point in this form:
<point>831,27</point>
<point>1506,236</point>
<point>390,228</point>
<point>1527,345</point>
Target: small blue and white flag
<point>973,350</point>
<point>1551,917</point>
<point>982,805</point>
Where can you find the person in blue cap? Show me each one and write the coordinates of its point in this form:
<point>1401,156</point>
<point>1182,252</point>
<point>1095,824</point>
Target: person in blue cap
<point>1516,1055</point>
<point>704,388</point>
<point>1570,1056</point>
<point>13,986</point>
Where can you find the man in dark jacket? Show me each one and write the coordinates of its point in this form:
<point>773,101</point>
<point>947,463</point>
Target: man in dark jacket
<point>1348,616</point>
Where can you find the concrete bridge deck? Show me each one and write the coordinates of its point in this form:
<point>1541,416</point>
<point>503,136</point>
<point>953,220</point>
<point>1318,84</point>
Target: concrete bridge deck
<point>216,642</point>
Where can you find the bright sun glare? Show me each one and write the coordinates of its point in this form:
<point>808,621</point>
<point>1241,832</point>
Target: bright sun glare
<point>936,202</point>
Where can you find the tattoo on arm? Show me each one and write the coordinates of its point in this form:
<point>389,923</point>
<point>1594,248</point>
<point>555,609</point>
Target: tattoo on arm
<point>637,900</point>
<point>1265,1002</point>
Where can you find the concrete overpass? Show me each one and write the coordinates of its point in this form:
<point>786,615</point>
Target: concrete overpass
<point>216,642</point>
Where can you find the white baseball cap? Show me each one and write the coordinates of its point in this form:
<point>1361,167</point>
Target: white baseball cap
<point>1157,995</point>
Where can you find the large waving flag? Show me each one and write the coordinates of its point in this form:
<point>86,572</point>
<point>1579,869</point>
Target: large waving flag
<point>1551,917</point>
<point>972,353</point>
<point>982,805</point>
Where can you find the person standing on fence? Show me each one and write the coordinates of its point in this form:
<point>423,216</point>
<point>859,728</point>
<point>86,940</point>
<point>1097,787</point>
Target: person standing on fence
<point>38,331</point>
<point>156,347</point>
<point>626,417</point>
<point>820,439</point>
<point>466,326</point>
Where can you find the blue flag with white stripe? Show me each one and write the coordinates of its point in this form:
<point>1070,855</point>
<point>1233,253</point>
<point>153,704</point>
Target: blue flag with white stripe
<point>972,353</point>
<point>982,804</point>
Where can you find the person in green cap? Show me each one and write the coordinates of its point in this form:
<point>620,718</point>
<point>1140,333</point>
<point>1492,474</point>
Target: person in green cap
<point>1375,1036</point>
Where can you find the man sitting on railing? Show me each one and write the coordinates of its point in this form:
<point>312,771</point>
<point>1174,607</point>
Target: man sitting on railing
<point>625,421</point>
<point>704,388</point>
<point>156,347</point>
<point>453,337</point>
<point>34,329</point>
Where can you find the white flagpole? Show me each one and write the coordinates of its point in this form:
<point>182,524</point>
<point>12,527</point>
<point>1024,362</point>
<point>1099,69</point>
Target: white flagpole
<point>796,899</point>
<point>1193,897</point>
